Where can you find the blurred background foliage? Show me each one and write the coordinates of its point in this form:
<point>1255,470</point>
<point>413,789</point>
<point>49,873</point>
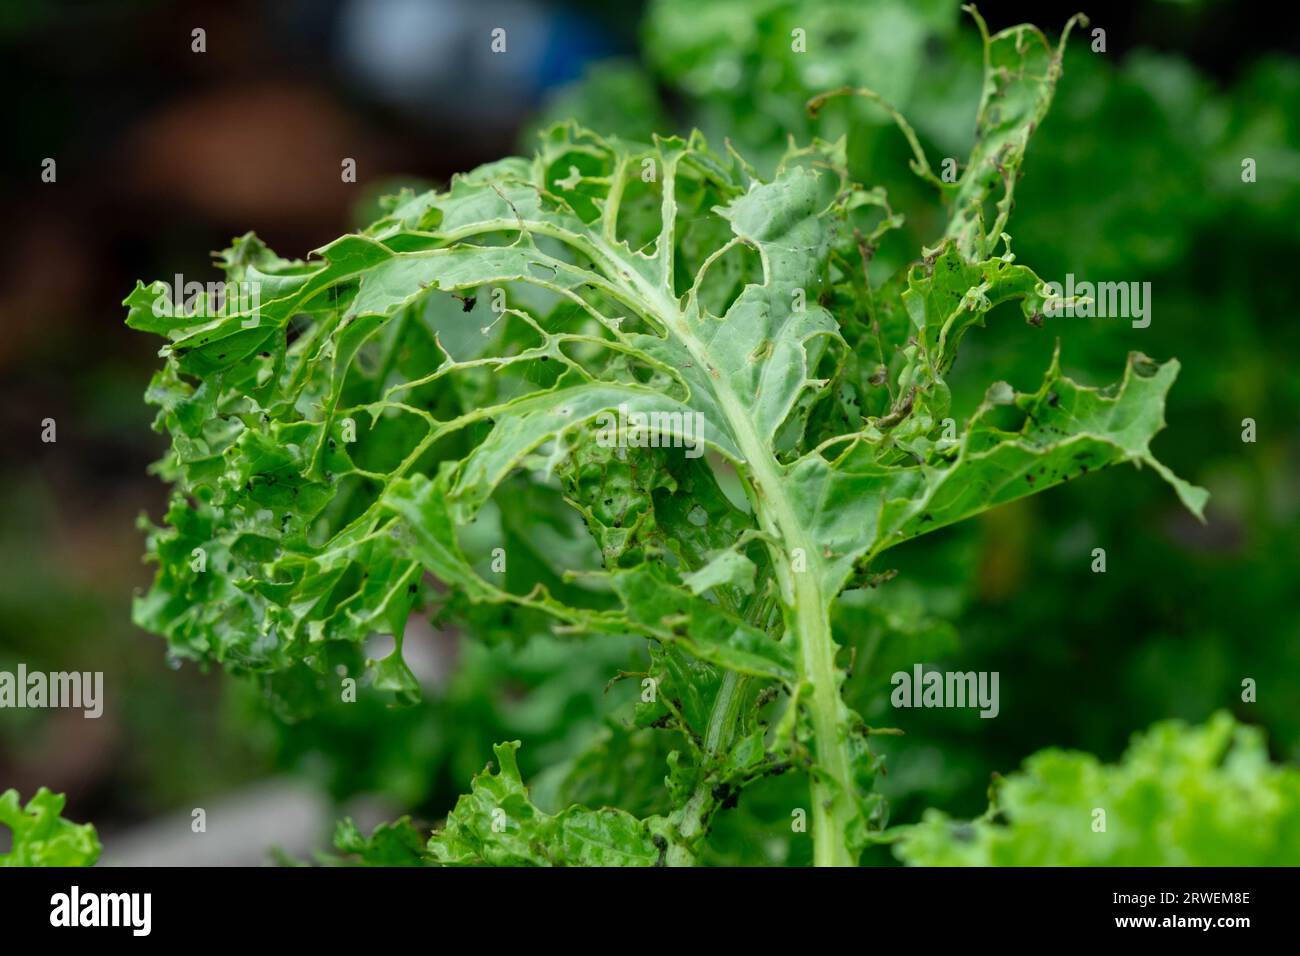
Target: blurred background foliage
<point>1135,176</point>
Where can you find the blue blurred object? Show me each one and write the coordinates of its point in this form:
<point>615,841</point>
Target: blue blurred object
<point>442,60</point>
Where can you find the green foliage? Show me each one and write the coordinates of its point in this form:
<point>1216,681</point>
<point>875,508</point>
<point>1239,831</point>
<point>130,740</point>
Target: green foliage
<point>493,405</point>
<point>497,824</point>
<point>1136,172</point>
<point>391,844</point>
<point>41,837</point>
<point>740,65</point>
<point>422,755</point>
<point>1181,796</point>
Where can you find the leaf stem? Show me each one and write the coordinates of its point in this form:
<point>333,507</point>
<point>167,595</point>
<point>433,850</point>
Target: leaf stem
<point>717,737</point>
<point>805,606</point>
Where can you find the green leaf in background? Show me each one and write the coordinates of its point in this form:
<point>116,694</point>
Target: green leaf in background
<point>41,837</point>
<point>1180,796</point>
<point>748,72</point>
<point>391,844</point>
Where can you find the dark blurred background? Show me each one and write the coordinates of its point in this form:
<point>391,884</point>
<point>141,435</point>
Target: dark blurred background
<point>164,154</point>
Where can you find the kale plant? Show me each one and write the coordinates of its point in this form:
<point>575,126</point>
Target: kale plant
<point>1181,796</point>
<point>614,389</point>
<point>39,836</point>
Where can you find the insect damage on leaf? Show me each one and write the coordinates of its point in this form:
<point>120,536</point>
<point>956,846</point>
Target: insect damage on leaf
<point>686,361</point>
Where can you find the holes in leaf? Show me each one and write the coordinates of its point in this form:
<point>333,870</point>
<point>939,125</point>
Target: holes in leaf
<point>617,366</point>
<point>724,473</point>
<point>379,646</point>
<point>640,214</point>
<point>543,371</point>
<point>489,240</point>
<point>1007,418</point>
<point>644,374</point>
<point>384,446</point>
<point>355,494</point>
<point>727,277</point>
<point>541,536</point>
<point>700,231</point>
<point>566,177</point>
<point>978,356</point>
<point>540,270</point>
